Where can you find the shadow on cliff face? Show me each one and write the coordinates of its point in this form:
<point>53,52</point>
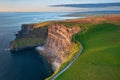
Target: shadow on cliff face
<point>29,65</point>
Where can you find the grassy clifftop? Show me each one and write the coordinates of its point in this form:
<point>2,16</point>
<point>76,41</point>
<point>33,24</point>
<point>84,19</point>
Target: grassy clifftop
<point>100,59</point>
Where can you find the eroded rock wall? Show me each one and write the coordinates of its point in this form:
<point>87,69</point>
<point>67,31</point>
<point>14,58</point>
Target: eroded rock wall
<point>58,42</point>
<point>56,38</point>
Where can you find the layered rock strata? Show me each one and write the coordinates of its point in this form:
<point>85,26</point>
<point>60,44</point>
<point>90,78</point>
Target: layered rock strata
<point>58,42</point>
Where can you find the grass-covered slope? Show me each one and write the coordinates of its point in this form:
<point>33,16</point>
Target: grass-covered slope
<point>100,59</point>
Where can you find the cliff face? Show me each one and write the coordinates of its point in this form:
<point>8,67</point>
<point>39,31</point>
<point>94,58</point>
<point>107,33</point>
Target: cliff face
<point>96,19</point>
<point>56,39</point>
<point>29,31</point>
<point>58,42</point>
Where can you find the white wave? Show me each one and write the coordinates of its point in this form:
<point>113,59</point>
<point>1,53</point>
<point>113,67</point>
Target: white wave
<point>7,49</point>
<point>40,48</point>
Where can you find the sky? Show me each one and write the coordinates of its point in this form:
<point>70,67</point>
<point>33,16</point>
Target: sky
<point>43,5</point>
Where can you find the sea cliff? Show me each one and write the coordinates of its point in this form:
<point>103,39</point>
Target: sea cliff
<point>58,42</point>
<point>30,35</point>
<point>52,40</point>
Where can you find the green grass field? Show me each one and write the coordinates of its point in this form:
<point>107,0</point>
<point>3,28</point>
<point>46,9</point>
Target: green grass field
<point>100,59</point>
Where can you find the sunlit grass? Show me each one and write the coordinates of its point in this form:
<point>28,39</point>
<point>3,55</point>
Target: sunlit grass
<point>100,59</point>
<point>42,24</point>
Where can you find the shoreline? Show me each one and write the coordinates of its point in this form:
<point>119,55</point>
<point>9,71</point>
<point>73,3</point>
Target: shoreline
<point>40,50</point>
<point>22,49</point>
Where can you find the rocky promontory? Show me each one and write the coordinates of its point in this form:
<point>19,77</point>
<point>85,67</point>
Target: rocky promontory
<point>53,40</point>
<point>30,35</point>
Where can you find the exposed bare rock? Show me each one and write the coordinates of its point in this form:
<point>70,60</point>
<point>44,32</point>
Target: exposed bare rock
<point>58,42</point>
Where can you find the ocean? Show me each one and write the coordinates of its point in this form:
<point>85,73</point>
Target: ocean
<point>27,64</point>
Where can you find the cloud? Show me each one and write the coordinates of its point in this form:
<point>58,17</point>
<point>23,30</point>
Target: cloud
<point>98,5</point>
